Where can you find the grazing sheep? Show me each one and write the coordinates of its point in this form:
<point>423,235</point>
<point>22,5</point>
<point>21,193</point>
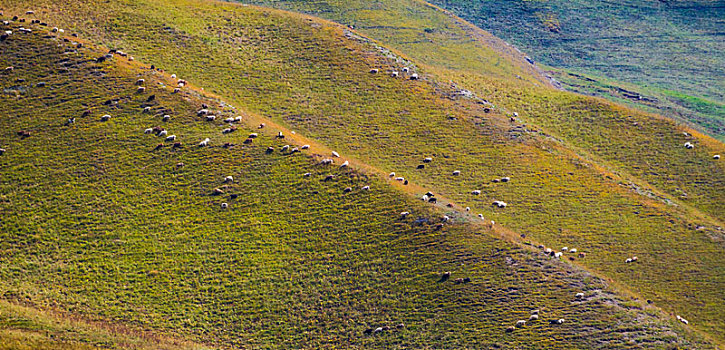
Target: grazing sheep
<point>280,135</point>
<point>229,120</point>
<point>456,173</point>
<point>294,150</point>
<point>445,218</point>
<point>253,135</point>
<point>307,174</point>
<point>481,216</point>
<point>171,138</point>
<point>327,161</point>
<point>391,175</point>
<point>141,89</point>
<point>105,118</point>
<point>163,133</point>
<point>147,109</point>
<point>535,312</point>
<point>238,119</point>
<point>689,145</point>
<point>565,249</point>
<point>2,151</point>
<point>345,165</point>
<point>558,255</point>
<point>261,126</point>
<point>166,118</point>
<point>510,329</point>
<point>210,118</point>
<point>493,223</point>
<point>401,179</point>
<point>374,71</point>
<point>404,214</point>
<point>572,250</point>
<point>305,147</point>
<point>173,76</point>
<point>204,143</point>
<point>468,208</point>
<point>717,156</point>
<point>202,112</point>
<point>270,149</point>
<point>70,121</point>
<point>558,321</point>
<point>229,130</point>
<point>414,76</point>
<point>365,188</point>
<point>347,190</point>
<point>500,204</point>
<point>229,179</point>
<point>424,198</point>
<point>533,317</point>
<point>218,191</point>
<point>476,192</point>
<point>140,81</point>
<point>335,154</point>
<point>225,205</point>
<point>394,74</point>
<point>284,148</point>
<point>427,160</point>
<point>406,69</point>
<point>505,179</point>
<point>548,251</point>
<point>520,323</point>
<point>579,295</point>
<point>682,319</point>
<point>378,330</point>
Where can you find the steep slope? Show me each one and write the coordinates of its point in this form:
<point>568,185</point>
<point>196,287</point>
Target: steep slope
<point>100,222</point>
<point>310,76</point>
<point>671,51</point>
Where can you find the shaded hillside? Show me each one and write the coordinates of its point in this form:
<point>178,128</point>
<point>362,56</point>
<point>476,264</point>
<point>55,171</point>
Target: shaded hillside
<point>102,223</point>
<point>671,51</point>
<point>315,79</point>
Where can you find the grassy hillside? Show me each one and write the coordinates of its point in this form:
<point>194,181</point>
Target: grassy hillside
<point>670,50</point>
<point>311,77</point>
<point>99,224</point>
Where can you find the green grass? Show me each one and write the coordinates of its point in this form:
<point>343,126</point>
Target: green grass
<point>654,45</point>
<point>97,224</point>
<point>308,76</point>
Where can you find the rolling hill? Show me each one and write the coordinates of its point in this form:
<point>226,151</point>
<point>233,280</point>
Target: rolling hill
<point>296,261</point>
<point>665,56</point>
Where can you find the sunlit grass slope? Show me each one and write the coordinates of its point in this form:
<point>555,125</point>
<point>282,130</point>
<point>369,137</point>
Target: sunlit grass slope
<point>100,224</point>
<point>309,76</point>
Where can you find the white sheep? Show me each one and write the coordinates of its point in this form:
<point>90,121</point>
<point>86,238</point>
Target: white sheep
<point>253,135</point>
<point>717,156</point>
<point>173,76</point>
<point>394,74</point>
<point>535,312</point>
<point>500,204</point>
<point>140,81</point>
<point>406,69</point>
<point>493,222</point>
<point>227,130</point>
<point>345,164</point>
<point>505,179</point>
<point>560,321</point>
<point>305,146</point>
<point>229,120</point>
<point>171,138</point>
<point>682,319</point>
<point>163,133</point>
<point>456,172</point>
<point>238,118</point>
<point>229,179</point>
<point>481,216</point>
<point>558,254</point>
<point>295,150</point>
<point>446,218</point>
<point>404,214</point>
<point>210,118</point>
<point>146,109</point>
<point>366,188</point>
<point>689,145</point>
<point>280,135</point>
<point>204,143</point>
<point>520,323</point>
<point>327,161</point>
<point>427,160</point>
<point>335,154</point>
<point>579,295</point>
<point>547,250</point>
<point>284,148</point>
<point>414,76</point>
<point>424,198</point>
<point>391,175</point>
<point>105,118</point>
<point>148,131</point>
<point>468,208</point>
<point>572,250</point>
<point>401,179</point>
<point>225,205</point>
<point>374,71</point>
<point>141,89</point>
<point>307,174</point>
<point>533,317</point>
<point>476,192</point>
<point>202,112</point>
<point>565,249</point>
